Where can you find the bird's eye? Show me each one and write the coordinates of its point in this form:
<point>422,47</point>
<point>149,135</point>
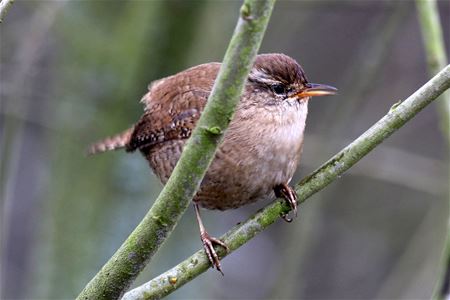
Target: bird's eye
<point>279,89</point>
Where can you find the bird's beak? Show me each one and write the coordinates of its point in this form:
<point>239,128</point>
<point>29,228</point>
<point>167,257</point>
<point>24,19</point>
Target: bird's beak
<point>314,89</point>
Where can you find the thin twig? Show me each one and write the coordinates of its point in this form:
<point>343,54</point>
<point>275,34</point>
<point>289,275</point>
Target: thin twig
<point>398,115</point>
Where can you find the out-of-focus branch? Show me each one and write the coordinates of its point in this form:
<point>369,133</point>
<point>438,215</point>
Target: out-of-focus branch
<point>398,115</point>
<point>435,50</point>
<point>4,6</point>
<point>124,266</point>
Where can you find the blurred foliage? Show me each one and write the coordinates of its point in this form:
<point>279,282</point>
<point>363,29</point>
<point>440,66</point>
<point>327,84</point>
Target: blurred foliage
<point>72,72</point>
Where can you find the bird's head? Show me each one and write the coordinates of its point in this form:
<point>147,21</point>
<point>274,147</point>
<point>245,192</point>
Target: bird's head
<point>279,78</point>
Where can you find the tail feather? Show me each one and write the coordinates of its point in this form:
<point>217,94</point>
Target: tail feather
<point>111,143</point>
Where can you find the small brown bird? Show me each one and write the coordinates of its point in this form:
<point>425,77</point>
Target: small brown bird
<point>260,150</point>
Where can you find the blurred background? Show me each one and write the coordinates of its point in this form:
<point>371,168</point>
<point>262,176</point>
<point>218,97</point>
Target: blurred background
<point>73,72</point>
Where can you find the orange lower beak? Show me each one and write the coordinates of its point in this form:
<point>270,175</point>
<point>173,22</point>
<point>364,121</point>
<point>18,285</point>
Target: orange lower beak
<point>314,89</point>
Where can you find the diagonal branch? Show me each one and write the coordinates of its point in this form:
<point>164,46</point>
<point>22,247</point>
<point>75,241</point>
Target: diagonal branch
<point>398,115</point>
<point>124,266</point>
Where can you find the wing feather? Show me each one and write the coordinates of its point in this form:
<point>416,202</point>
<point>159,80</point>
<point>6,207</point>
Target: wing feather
<point>173,106</point>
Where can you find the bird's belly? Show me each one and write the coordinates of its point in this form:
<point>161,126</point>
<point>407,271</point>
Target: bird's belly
<point>240,175</point>
<point>242,172</point>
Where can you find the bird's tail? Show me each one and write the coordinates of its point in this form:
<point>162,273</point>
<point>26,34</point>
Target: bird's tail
<point>115,142</point>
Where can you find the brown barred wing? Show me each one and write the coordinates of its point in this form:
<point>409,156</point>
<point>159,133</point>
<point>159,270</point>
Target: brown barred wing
<point>165,124</point>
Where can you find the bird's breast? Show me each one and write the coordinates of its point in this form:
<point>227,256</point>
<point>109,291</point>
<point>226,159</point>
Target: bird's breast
<point>278,143</point>
<point>257,154</point>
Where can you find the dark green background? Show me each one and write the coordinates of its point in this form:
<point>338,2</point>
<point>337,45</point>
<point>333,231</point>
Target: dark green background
<point>73,72</point>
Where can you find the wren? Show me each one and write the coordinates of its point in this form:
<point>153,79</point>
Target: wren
<point>261,147</point>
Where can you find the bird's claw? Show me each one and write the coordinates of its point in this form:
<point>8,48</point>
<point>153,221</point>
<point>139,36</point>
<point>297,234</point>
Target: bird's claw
<point>208,245</point>
<point>289,194</point>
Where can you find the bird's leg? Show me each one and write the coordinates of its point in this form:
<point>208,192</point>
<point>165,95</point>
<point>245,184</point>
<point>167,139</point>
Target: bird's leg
<point>209,242</point>
<point>288,193</point>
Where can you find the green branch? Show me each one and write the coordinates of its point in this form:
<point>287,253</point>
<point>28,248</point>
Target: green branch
<point>4,6</point>
<point>435,50</point>
<point>398,115</point>
<point>124,266</point>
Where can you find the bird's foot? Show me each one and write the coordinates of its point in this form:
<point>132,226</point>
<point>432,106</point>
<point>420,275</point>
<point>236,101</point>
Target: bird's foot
<point>208,245</point>
<point>289,194</point>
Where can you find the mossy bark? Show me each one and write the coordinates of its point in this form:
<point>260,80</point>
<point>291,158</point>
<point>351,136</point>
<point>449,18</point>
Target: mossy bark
<point>120,271</point>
